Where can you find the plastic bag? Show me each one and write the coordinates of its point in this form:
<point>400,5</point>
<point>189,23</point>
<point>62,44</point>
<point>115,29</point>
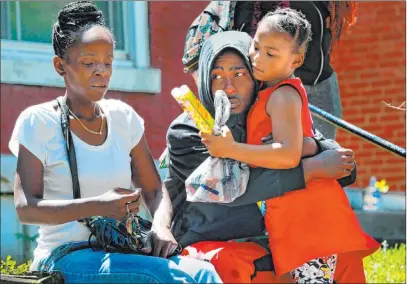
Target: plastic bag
<point>218,180</point>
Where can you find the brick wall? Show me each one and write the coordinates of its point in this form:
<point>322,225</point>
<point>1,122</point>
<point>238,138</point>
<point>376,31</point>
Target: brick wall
<point>167,35</point>
<point>370,62</point>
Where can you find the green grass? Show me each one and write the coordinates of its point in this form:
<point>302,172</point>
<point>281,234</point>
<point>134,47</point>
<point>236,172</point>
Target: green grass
<point>384,266</point>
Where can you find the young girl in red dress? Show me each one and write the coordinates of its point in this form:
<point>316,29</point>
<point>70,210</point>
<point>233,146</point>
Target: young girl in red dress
<point>313,233</point>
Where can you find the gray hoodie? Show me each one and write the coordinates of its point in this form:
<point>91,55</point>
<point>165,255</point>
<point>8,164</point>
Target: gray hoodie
<point>194,222</point>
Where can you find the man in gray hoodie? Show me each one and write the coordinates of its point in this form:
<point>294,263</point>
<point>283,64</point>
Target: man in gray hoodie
<point>196,222</point>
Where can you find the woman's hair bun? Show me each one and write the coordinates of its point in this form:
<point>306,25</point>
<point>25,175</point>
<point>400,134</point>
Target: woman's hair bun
<point>80,14</point>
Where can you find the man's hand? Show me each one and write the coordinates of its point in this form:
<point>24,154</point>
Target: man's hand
<point>160,242</point>
<point>309,147</point>
<point>330,164</point>
<point>219,146</point>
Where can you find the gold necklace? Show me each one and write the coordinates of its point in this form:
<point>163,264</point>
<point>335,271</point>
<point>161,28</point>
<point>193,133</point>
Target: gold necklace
<point>87,129</point>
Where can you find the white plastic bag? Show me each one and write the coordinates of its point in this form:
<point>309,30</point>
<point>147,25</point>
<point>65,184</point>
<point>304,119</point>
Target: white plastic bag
<point>218,180</point>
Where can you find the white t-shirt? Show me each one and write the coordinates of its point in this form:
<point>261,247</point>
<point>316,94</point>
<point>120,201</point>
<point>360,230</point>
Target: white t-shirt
<point>100,168</point>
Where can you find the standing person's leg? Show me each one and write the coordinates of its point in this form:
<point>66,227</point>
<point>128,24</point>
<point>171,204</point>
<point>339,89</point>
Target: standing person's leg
<point>325,95</point>
<point>88,266</point>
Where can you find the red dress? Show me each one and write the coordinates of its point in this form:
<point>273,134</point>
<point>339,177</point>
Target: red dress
<point>309,223</point>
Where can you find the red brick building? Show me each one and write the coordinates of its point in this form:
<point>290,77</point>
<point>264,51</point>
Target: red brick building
<point>371,66</point>
<point>370,63</point>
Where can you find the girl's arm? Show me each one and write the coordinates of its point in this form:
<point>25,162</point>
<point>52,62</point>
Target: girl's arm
<point>284,108</point>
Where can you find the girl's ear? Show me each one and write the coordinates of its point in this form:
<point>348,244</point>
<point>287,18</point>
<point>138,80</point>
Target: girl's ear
<point>298,60</point>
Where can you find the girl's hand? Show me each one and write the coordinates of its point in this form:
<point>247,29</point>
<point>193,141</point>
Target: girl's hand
<point>219,146</point>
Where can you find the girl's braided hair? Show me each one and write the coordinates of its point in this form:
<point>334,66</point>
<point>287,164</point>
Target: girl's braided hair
<point>292,22</point>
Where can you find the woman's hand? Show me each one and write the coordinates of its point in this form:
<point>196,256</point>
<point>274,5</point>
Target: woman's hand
<point>160,242</point>
<point>115,203</point>
<point>219,146</point>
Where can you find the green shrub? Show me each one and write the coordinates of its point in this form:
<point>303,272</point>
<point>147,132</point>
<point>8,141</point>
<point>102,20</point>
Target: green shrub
<point>9,266</point>
<point>386,265</point>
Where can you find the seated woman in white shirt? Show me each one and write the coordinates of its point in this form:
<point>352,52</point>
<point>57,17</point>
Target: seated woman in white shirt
<point>112,154</point>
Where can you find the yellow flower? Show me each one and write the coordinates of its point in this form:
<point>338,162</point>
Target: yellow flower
<point>382,186</point>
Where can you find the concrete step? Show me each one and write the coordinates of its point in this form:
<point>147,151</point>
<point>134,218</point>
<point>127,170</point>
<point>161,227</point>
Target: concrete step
<point>391,201</point>
<point>390,226</point>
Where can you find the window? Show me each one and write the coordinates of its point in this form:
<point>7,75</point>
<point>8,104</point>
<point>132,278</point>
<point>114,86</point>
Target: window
<point>18,21</point>
<point>26,36</point>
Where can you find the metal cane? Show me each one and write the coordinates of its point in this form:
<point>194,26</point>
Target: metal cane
<point>348,127</point>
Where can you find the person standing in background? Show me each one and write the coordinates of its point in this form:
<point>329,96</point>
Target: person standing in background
<point>329,20</point>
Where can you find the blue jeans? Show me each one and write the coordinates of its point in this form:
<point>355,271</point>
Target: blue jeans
<point>88,266</point>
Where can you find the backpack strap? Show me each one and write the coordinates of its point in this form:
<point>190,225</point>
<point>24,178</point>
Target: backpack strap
<point>216,17</point>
